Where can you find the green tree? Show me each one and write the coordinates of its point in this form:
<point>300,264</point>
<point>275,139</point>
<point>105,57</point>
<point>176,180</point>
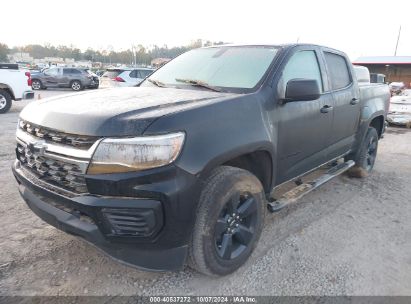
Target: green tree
<point>4,50</point>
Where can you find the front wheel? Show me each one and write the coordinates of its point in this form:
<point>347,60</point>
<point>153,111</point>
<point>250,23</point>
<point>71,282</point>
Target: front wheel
<point>230,218</point>
<point>367,153</point>
<point>36,84</point>
<point>76,85</point>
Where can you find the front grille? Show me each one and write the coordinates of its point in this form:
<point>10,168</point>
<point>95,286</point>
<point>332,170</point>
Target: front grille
<point>130,222</point>
<point>78,141</point>
<point>59,173</point>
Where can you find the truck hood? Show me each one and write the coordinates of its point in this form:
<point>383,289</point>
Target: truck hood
<point>116,111</point>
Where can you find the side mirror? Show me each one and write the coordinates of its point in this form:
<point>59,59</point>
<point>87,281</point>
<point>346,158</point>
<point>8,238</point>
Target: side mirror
<point>302,90</point>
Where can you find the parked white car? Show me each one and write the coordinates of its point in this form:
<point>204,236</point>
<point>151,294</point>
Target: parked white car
<point>15,84</point>
<point>124,77</point>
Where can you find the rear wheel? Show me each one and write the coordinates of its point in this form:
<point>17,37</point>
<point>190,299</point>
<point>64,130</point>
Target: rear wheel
<point>365,159</point>
<point>76,85</point>
<point>230,218</point>
<point>5,101</point>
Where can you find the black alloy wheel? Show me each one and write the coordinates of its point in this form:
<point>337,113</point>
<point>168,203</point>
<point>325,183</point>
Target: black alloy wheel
<point>366,155</point>
<point>229,221</point>
<point>371,153</point>
<point>235,226</point>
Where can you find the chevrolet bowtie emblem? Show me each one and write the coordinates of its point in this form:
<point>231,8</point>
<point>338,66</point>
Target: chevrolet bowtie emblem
<point>38,147</point>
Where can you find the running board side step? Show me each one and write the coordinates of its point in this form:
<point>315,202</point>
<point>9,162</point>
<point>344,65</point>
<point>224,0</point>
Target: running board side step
<point>301,190</point>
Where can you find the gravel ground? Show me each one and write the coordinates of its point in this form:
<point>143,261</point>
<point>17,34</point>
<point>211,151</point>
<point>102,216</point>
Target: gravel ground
<point>350,237</point>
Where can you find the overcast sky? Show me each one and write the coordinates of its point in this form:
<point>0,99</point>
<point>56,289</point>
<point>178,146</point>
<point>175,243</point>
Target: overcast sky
<point>359,28</point>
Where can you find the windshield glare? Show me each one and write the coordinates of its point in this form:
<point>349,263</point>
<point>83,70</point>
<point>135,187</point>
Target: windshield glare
<point>224,67</point>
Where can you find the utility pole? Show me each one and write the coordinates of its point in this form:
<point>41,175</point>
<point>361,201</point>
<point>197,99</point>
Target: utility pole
<point>398,40</point>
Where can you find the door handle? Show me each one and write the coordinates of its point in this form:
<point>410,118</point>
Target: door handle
<point>326,109</point>
<point>354,101</point>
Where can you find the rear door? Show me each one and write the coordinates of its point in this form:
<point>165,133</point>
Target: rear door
<point>66,77</point>
<point>346,108</point>
<point>303,126</point>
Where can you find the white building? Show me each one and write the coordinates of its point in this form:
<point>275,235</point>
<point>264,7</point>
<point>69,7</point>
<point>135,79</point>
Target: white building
<point>83,64</point>
<point>20,57</point>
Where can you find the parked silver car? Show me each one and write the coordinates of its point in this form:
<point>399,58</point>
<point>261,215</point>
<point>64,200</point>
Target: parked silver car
<point>59,77</point>
<point>124,77</point>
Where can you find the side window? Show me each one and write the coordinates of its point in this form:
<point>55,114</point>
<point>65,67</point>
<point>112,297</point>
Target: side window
<point>145,73</point>
<point>140,74</point>
<point>338,71</point>
<point>133,74</point>
<point>303,64</point>
<point>75,71</point>
<point>52,71</point>
<point>66,71</point>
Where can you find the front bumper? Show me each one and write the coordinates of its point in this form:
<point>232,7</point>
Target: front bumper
<point>162,248</point>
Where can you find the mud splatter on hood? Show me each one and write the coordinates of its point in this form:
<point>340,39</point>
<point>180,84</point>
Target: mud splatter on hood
<point>114,112</point>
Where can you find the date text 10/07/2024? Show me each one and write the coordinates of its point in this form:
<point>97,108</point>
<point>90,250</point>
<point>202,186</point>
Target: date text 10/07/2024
<point>202,299</point>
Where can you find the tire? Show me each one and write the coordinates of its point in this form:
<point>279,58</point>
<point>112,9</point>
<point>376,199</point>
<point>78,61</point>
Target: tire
<point>36,84</point>
<point>365,158</point>
<point>221,242</point>
<point>76,85</point>
<point>5,101</point>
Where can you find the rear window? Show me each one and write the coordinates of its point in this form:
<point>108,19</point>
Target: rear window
<point>338,71</point>
<point>112,73</point>
<point>71,71</point>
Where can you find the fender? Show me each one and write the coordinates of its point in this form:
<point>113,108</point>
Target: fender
<point>374,104</point>
<point>218,132</point>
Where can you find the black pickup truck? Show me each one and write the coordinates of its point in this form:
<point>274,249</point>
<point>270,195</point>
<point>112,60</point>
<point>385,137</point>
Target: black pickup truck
<point>183,168</point>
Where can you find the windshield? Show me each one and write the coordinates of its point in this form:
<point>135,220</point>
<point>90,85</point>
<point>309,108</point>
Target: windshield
<point>221,67</point>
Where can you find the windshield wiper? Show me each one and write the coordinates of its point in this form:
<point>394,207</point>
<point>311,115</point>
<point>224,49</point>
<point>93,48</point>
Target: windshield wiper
<point>198,83</point>
<point>157,82</point>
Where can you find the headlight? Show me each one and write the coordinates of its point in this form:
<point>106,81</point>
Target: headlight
<point>135,154</point>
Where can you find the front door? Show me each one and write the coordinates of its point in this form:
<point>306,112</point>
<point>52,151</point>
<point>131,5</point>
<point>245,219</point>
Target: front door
<point>303,126</point>
<point>51,77</point>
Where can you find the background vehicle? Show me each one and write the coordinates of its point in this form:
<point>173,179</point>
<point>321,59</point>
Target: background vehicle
<point>100,73</point>
<point>377,78</point>
<point>396,87</point>
<point>124,77</point>
<point>184,167</point>
<point>400,109</point>
<point>15,84</point>
<point>59,77</point>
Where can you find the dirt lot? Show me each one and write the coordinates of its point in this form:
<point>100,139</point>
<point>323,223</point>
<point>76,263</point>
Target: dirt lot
<point>350,237</point>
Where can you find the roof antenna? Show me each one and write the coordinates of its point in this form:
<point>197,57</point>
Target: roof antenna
<point>298,39</point>
<point>398,40</point>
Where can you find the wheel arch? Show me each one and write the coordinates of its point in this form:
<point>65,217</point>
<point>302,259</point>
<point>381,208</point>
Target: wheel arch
<point>78,80</point>
<point>257,161</point>
<point>378,123</point>
<point>9,90</point>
